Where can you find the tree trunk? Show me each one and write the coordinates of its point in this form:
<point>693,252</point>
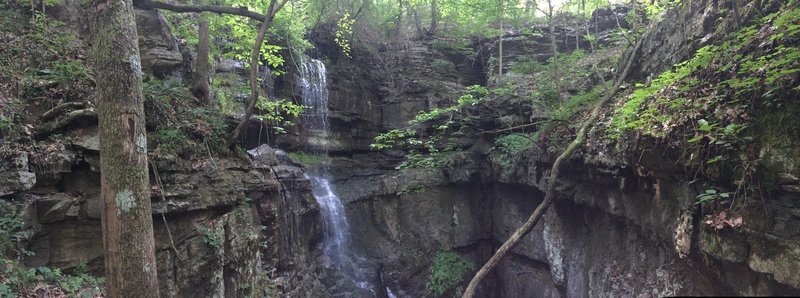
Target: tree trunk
<point>200,88</point>
<point>551,183</point>
<point>126,218</point>
<point>434,17</point>
<point>500,51</point>
<point>417,20</point>
<point>551,23</point>
<point>254,57</point>
<point>398,22</point>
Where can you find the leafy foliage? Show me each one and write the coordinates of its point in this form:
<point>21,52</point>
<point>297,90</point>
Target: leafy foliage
<point>447,272</point>
<point>179,127</point>
<point>18,280</point>
<point>711,195</point>
<point>758,70</point>
<point>170,140</point>
<point>509,148</point>
<point>234,36</point>
<point>651,109</point>
<point>278,113</point>
<point>577,103</point>
<point>211,238</point>
<point>433,133</point>
<point>344,32</point>
<point>11,229</point>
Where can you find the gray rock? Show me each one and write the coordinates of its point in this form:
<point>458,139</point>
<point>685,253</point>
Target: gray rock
<point>15,175</point>
<point>157,47</point>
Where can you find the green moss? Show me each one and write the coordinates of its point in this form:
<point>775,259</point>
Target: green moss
<point>308,159</point>
<point>443,67</point>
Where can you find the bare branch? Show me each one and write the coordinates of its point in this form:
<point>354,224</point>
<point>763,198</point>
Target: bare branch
<point>239,11</point>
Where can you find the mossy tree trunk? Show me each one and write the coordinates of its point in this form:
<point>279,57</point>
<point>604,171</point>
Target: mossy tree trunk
<point>126,216</point>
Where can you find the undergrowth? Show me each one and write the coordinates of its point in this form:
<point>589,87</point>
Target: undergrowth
<point>447,272</point>
<point>19,280</point>
<point>178,126</point>
<point>709,103</point>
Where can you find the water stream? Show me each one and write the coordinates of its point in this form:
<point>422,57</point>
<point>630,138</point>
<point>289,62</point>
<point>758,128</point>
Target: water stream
<point>336,247</point>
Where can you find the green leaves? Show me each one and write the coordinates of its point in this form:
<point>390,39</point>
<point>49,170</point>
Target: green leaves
<point>278,112</point>
<point>392,139</point>
<point>447,272</point>
<point>344,32</point>
<point>710,195</point>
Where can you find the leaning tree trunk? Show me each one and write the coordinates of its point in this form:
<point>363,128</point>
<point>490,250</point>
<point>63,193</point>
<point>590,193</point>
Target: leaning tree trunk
<point>200,88</point>
<point>274,7</point>
<point>551,183</point>
<point>126,216</point>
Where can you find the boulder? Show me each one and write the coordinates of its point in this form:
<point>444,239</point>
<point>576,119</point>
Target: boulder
<point>158,49</point>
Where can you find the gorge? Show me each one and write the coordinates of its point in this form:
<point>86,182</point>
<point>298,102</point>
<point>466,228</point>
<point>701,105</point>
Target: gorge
<point>693,192</point>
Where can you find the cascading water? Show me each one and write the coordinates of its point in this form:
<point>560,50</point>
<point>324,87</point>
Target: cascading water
<point>336,226</point>
<point>314,93</point>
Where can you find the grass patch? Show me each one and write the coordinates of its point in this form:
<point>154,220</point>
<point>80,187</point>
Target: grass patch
<point>308,159</point>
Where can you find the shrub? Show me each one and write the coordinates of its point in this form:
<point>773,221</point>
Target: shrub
<point>447,272</point>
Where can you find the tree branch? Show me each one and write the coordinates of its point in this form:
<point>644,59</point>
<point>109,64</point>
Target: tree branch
<point>520,126</point>
<point>274,7</point>
<point>551,183</point>
<point>239,11</point>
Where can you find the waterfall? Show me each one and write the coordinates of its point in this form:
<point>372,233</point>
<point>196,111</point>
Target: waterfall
<point>334,218</point>
<point>314,93</point>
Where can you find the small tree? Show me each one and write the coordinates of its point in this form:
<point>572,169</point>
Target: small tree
<point>200,88</point>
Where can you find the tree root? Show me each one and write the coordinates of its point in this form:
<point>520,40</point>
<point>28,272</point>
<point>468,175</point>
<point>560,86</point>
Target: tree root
<point>49,128</point>
<point>551,183</point>
<point>52,113</point>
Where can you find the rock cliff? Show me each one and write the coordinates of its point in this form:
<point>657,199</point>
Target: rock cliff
<point>624,222</point>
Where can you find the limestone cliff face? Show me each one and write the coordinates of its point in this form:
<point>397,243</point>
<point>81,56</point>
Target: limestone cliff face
<point>224,226</point>
<point>218,226</point>
<point>624,223</point>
